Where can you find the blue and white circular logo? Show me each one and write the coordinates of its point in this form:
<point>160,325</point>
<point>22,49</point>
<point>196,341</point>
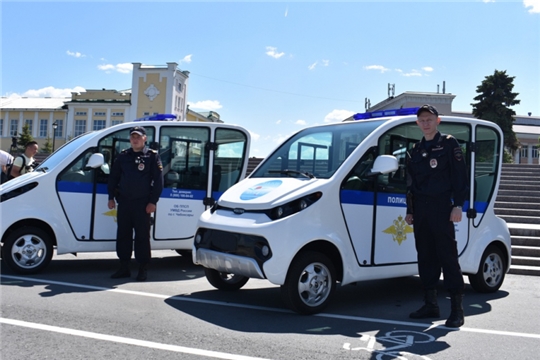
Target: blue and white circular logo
<point>260,190</point>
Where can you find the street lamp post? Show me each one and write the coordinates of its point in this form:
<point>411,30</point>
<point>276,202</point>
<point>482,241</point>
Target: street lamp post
<point>54,126</point>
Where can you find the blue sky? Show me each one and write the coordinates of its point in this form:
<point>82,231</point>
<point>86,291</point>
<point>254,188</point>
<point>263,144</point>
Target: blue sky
<point>275,67</point>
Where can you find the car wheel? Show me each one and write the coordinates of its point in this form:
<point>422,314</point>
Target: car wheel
<point>225,281</point>
<point>27,250</point>
<point>491,271</point>
<point>310,283</point>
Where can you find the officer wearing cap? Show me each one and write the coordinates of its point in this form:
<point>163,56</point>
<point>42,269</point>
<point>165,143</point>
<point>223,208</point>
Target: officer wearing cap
<point>437,189</point>
<point>136,181</point>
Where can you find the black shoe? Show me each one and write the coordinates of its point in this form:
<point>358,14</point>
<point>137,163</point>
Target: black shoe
<point>141,276</point>
<point>425,312</point>
<point>430,309</point>
<point>123,272</point>
<point>456,318</point>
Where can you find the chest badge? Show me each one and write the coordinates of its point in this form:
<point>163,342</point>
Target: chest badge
<point>141,166</point>
<point>433,163</point>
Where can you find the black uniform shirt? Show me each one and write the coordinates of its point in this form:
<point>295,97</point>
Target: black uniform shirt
<point>437,169</point>
<point>136,175</point>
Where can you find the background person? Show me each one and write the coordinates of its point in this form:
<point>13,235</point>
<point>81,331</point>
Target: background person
<point>436,174</point>
<point>5,160</point>
<point>136,180</point>
<point>24,162</point>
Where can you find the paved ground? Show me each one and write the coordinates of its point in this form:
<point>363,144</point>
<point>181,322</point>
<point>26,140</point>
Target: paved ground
<point>74,310</point>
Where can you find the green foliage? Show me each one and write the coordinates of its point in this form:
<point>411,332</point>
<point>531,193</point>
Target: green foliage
<point>47,146</point>
<point>507,157</point>
<point>494,99</point>
<point>25,137</point>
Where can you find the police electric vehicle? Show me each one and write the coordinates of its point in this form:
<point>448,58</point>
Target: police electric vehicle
<point>329,204</point>
<point>63,203</point>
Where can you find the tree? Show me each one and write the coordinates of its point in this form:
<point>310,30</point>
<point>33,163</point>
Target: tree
<point>493,104</point>
<point>25,137</point>
<point>47,146</point>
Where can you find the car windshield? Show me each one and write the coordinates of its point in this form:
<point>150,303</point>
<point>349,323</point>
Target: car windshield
<point>316,152</point>
<point>59,155</point>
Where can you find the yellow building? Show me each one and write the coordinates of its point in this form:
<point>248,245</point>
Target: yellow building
<point>154,90</point>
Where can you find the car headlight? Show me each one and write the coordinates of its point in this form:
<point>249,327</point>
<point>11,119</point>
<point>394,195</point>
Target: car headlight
<point>281,211</point>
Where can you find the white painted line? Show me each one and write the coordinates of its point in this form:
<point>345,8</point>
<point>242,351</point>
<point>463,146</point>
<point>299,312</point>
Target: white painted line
<point>128,341</point>
<point>254,307</point>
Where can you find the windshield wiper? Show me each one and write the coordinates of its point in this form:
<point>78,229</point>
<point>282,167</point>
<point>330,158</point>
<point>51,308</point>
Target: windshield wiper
<point>288,172</point>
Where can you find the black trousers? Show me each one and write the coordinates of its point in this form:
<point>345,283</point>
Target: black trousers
<point>132,216</point>
<point>436,244</point>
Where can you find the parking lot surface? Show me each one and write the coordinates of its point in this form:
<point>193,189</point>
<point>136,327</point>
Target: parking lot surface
<point>73,310</point>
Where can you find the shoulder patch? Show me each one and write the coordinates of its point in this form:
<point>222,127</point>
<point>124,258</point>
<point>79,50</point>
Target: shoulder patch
<point>458,153</point>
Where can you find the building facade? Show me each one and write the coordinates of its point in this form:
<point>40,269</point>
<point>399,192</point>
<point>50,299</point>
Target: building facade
<point>155,90</point>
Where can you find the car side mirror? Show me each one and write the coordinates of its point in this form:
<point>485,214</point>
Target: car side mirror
<point>95,161</point>
<point>384,164</point>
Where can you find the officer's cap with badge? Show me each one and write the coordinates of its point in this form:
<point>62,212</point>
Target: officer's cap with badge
<point>137,130</point>
<point>427,108</point>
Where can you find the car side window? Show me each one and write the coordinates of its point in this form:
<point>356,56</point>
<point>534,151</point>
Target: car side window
<point>112,145</point>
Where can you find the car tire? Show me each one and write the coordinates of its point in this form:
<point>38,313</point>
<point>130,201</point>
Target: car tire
<point>310,283</point>
<point>491,271</point>
<point>225,281</point>
<point>27,250</point>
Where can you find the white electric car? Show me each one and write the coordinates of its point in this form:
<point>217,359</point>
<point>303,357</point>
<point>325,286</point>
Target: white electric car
<point>328,206</point>
<point>63,203</point>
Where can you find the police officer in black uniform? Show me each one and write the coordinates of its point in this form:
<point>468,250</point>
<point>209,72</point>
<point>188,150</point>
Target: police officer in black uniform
<point>136,181</point>
<point>437,188</point>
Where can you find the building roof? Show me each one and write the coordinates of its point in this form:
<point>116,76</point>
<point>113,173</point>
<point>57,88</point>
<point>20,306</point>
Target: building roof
<point>524,129</point>
<point>32,103</point>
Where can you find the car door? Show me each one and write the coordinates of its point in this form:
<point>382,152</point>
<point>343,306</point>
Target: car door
<point>110,145</point>
<point>393,238</point>
<point>184,154</point>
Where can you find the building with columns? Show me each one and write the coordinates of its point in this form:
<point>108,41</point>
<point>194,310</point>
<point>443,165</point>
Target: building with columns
<point>154,90</point>
<point>527,128</point>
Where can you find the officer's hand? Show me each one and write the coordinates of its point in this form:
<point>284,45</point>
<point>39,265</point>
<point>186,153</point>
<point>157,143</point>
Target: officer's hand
<point>150,208</point>
<point>409,219</point>
<point>111,204</point>
<point>455,215</point>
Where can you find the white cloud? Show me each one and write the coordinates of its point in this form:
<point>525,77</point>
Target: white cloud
<point>380,68</point>
<point>124,68</point>
<point>427,69</point>
<point>412,73</point>
<point>338,115</point>
<point>48,91</point>
<point>326,62</point>
<point>75,54</point>
<point>278,122</point>
<point>312,66</point>
<point>254,136</point>
<point>534,6</point>
<point>210,105</point>
<point>488,1</point>
<point>186,59</point>
<point>301,122</point>
<point>272,51</point>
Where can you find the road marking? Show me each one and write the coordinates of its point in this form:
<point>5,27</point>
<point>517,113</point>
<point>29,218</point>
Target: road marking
<point>128,341</point>
<point>265,308</point>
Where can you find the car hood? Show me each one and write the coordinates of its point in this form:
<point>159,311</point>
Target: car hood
<point>263,193</point>
<point>20,180</point>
